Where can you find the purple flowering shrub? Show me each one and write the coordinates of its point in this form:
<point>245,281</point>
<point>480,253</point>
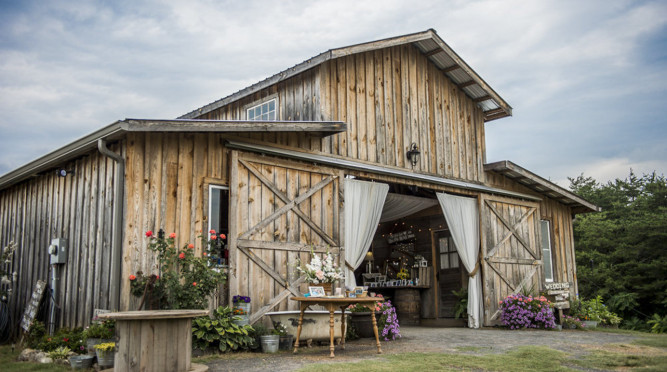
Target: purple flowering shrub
<point>519,311</point>
<point>388,322</point>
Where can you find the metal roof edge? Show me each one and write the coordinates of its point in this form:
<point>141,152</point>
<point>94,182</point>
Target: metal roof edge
<point>66,152</point>
<point>506,165</point>
<point>355,165</point>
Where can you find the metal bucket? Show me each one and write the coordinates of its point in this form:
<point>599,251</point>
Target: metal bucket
<point>81,361</point>
<point>270,343</point>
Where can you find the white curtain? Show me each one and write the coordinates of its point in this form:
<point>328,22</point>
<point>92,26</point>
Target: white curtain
<point>462,217</point>
<point>397,206</point>
<point>363,207</point>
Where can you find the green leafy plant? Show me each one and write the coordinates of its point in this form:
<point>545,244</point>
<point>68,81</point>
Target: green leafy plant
<point>568,322</point>
<point>184,281</point>
<point>658,323</point>
<point>35,334</point>
<point>593,309</point>
<point>279,329</point>
<point>103,329</point>
<point>64,337</point>
<point>60,353</point>
<point>461,306</point>
<point>220,332</point>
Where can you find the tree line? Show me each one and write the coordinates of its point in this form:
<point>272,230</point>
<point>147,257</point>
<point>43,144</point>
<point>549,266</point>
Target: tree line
<point>622,251</point>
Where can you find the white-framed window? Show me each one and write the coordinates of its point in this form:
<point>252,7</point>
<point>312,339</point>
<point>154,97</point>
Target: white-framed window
<point>546,250</point>
<point>263,111</point>
<point>218,208</point>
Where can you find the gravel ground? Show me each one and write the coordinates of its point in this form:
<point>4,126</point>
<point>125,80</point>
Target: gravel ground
<point>422,339</point>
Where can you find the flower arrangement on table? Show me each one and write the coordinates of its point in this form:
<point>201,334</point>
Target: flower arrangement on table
<point>387,323</point>
<point>185,281</point>
<point>321,270</point>
<point>519,311</point>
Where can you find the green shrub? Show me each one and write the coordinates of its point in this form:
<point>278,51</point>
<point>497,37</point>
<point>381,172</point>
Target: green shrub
<point>103,329</point>
<point>220,332</point>
<point>60,353</point>
<point>658,323</point>
<point>64,337</point>
<point>595,310</point>
<point>35,334</point>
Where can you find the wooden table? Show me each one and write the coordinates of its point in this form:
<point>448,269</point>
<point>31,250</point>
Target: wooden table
<point>331,304</point>
<point>158,340</point>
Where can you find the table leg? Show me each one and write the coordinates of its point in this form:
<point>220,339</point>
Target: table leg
<point>342,326</point>
<point>331,330</point>
<point>375,330</point>
<point>298,329</point>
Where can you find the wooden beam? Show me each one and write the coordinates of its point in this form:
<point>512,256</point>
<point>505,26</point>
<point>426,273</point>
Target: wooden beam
<point>293,288</point>
<point>222,126</point>
<point>482,99</point>
<point>451,68</point>
<point>467,84</point>
<point>282,246</point>
<point>433,52</point>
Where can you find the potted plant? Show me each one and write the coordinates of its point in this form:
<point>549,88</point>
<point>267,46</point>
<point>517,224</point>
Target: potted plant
<point>267,340</point>
<point>321,271</point>
<point>285,339</point>
<point>461,306</point>
<point>242,302</point>
<point>98,333</point>
<point>105,354</point>
<point>240,317</point>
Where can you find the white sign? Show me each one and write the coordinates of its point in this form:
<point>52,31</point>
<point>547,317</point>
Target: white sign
<point>557,286</point>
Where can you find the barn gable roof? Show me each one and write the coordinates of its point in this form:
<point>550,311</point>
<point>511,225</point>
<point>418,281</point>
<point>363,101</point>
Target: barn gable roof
<point>428,42</point>
<point>542,186</point>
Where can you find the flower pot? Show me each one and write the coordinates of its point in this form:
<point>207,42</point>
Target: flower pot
<point>362,324</point>
<point>286,342</point>
<point>241,320</point>
<point>105,358</point>
<point>91,342</point>
<point>590,323</point>
<point>243,306</point>
<point>81,361</point>
<point>270,343</point>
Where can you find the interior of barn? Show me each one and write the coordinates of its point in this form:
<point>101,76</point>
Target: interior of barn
<point>413,261</point>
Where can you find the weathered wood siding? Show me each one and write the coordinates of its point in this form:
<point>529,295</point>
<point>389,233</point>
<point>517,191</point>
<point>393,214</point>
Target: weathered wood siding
<point>78,208</point>
<point>393,97</point>
<point>389,98</point>
<point>562,236</point>
<point>167,175</point>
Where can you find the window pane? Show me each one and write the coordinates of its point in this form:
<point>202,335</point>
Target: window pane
<point>265,108</point>
<point>214,209</point>
<point>272,105</point>
<point>443,245</point>
<point>272,115</point>
<point>251,114</point>
<point>453,260</point>
<point>546,250</point>
<point>444,261</point>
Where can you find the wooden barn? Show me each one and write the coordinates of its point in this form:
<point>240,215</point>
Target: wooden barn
<point>374,151</point>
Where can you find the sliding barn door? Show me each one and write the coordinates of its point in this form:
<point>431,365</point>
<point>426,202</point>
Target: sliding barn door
<point>512,258</point>
<point>279,211</point>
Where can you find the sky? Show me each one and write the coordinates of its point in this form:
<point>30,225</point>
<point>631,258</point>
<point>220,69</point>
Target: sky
<point>587,80</point>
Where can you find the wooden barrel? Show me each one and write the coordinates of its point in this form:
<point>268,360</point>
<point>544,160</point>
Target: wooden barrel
<point>408,305</point>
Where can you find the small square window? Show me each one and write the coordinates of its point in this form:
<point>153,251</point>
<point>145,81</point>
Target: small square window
<point>263,111</point>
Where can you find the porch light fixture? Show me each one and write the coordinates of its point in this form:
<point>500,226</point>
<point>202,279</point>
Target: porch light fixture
<point>413,154</point>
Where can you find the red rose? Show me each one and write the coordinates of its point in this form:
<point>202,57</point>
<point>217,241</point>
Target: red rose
<point>172,235</point>
<point>149,234</point>
<point>157,277</point>
<point>205,254</point>
<point>65,339</point>
<point>194,283</point>
<point>181,256</point>
<point>132,277</point>
<point>191,246</point>
<point>212,232</point>
<point>213,237</point>
<point>223,236</point>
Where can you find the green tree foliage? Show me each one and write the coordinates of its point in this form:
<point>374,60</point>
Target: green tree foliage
<point>621,251</point>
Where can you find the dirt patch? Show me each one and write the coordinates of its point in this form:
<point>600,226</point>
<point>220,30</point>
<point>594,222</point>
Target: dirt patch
<point>422,339</point>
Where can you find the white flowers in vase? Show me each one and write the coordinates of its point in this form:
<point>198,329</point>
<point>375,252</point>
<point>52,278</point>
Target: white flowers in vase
<point>321,270</point>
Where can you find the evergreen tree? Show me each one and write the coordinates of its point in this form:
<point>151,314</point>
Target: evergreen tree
<point>622,251</point>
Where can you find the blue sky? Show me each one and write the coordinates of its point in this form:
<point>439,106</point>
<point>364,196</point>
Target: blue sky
<point>587,79</point>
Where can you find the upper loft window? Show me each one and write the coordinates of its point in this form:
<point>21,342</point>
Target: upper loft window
<point>263,111</point>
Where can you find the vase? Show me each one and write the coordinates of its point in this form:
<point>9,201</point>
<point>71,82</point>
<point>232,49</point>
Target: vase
<point>270,343</point>
<point>327,288</point>
<point>104,358</point>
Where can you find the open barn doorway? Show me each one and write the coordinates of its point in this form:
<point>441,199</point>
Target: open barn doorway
<point>413,260</point>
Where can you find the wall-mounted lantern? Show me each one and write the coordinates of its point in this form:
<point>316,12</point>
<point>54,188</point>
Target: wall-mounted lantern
<point>413,154</point>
